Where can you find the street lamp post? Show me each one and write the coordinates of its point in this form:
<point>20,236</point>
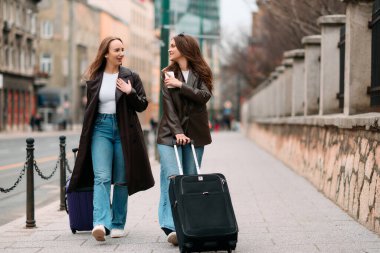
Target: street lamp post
<point>165,30</point>
<point>71,78</point>
<point>238,97</point>
<point>201,25</point>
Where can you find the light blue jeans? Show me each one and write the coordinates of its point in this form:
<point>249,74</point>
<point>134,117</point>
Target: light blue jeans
<point>169,168</point>
<point>108,165</point>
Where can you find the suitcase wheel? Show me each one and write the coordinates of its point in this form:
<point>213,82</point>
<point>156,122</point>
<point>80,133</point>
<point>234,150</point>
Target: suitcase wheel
<point>73,231</point>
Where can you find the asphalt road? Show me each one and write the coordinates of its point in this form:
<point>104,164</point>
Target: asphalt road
<point>12,159</point>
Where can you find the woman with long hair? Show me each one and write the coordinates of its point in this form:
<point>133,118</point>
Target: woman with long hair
<point>112,147</point>
<point>186,89</point>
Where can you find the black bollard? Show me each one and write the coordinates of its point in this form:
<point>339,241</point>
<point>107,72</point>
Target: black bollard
<point>62,162</point>
<point>30,222</point>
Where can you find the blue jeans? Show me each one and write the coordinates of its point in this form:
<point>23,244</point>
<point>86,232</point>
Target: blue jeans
<point>108,166</point>
<point>169,168</point>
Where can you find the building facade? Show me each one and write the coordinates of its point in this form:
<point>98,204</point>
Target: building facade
<point>140,43</point>
<point>69,37</point>
<point>18,43</point>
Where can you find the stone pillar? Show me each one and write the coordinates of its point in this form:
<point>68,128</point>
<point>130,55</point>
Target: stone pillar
<point>271,102</point>
<point>255,104</point>
<point>329,85</point>
<point>288,75</point>
<point>260,110</point>
<point>312,73</point>
<point>357,74</point>
<point>262,97</point>
<point>280,91</point>
<point>273,92</point>
<point>298,73</point>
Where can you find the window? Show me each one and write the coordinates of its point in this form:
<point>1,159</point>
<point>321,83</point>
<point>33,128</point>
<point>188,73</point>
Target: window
<point>83,65</point>
<point>6,57</point>
<point>65,67</point>
<point>46,63</point>
<point>5,11</point>
<point>11,13</point>
<point>46,29</point>
<point>33,24</point>
<point>33,59</point>
<point>18,15</point>
<point>28,19</point>
<point>22,60</point>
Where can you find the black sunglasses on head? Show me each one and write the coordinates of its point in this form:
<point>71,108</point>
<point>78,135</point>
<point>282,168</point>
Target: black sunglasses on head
<point>182,34</point>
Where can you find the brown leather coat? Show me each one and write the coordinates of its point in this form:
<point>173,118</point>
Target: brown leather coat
<point>185,112</point>
<point>139,174</point>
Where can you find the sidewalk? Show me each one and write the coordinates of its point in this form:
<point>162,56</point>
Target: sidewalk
<point>277,211</point>
<point>29,134</point>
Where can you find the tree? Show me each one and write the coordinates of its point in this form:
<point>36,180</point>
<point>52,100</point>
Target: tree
<point>278,26</point>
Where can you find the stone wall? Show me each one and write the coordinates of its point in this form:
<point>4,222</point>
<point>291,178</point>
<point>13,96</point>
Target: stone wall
<point>341,163</point>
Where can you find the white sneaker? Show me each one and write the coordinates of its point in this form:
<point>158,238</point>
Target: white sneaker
<point>117,233</point>
<point>99,232</point>
<point>172,238</point>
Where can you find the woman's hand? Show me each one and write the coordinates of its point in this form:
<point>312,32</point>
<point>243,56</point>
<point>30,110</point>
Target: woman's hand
<point>123,86</point>
<point>182,139</point>
<point>172,82</point>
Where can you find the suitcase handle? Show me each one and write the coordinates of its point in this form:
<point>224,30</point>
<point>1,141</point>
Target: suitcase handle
<point>194,156</point>
<point>75,151</point>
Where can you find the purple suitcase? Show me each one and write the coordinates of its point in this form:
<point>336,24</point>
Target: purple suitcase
<point>79,206</point>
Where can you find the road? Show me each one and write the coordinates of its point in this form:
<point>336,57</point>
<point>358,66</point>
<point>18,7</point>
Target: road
<point>12,159</point>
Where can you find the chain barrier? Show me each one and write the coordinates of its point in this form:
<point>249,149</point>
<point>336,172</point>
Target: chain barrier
<point>22,173</point>
<point>68,167</point>
<point>39,172</point>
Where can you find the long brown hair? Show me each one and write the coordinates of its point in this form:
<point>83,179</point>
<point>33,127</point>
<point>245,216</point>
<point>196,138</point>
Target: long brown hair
<point>189,48</point>
<point>99,64</point>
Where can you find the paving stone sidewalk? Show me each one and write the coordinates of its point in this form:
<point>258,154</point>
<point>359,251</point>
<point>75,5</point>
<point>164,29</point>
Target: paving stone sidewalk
<point>277,211</point>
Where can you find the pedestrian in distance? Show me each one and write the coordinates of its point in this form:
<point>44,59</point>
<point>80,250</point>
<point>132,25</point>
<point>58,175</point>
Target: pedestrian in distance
<point>32,122</point>
<point>187,87</point>
<point>111,147</point>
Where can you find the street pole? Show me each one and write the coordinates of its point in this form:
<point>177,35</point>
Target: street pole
<point>70,60</point>
<point>2,102</point>
<point>238,96</point>
<point>201,24</point>
<point>165,25</point>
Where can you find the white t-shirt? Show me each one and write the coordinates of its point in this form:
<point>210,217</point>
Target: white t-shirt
<point>107,95</point>
<point>185,75</point>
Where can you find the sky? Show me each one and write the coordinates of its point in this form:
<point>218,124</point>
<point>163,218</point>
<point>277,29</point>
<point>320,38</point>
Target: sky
<point>236,22</point>
<point>236,16</point>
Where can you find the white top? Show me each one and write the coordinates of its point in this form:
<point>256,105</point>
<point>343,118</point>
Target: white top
<point>185,75</point>
<point>107,94</point>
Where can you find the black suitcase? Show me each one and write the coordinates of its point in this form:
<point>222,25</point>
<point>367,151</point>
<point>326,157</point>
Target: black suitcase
<point>202,210</point>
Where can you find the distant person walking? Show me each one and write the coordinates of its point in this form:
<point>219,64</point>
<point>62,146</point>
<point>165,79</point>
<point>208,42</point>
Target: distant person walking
<point>112,148</point>
<point>32,122</point>
<point>187,88</point>
<point>227,115</point>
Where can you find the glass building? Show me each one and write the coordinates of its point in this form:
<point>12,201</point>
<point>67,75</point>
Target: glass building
<point>199,18</point>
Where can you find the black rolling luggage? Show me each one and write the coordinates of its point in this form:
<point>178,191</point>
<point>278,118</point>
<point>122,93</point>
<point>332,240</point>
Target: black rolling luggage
<point>203,215</point>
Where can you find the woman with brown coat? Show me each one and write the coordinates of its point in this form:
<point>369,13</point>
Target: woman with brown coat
<point>112,148</point>
<point>186,90</point>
